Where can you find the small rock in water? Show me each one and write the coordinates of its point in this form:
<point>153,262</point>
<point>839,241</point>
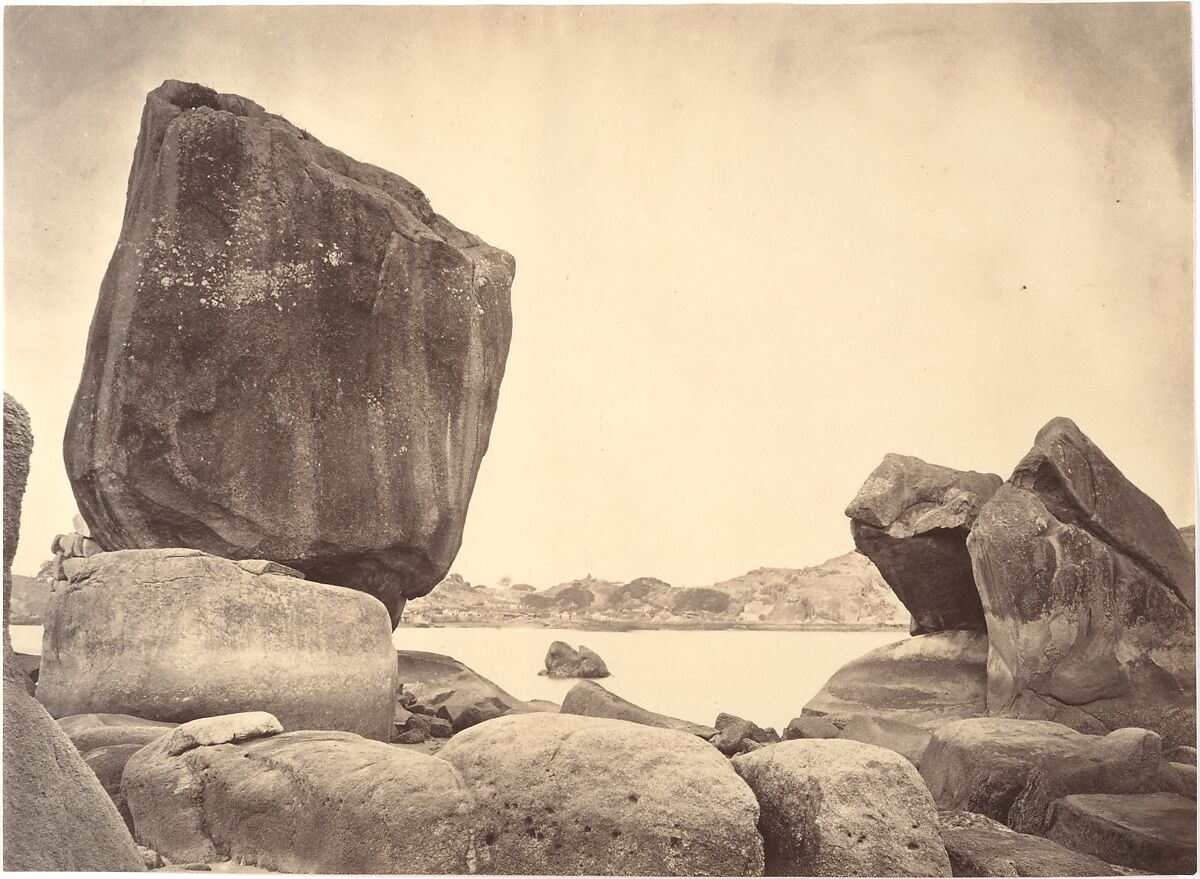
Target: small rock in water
<point>564,661</point>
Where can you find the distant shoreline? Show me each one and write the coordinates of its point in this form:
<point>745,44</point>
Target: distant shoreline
<point>634,626</point>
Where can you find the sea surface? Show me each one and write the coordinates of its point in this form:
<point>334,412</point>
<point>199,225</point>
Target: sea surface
<point>766,676</point>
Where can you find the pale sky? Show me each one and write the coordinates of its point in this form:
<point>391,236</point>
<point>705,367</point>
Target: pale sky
<point>757,247</point>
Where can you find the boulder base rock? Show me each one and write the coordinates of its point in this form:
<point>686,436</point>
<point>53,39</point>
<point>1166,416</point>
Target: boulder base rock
<point>923,681</point>
<point>564,661</point>
<point>173,635</point>
<point>1154,832</point>
<point>108,763</point>
<point>987,851</point>
<point>838,808</point>
<point>302,802</point>
<point>911,519</point>
<point>293,357</point>
<point>18,446</point>
<point>88,732</point>
<point>57,817</point>
<point>1089,594</point>
<point>444,687</point>
<point>905,739</point>
<point>571,795</point>
<point>589,699</point>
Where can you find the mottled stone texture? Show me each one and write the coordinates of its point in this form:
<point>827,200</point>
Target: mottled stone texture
<point>292,358</point>
<point>18,445</point>
<point>911,519</point>
<point>1088,590</point>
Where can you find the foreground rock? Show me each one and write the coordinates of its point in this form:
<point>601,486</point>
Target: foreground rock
<point>239,636</point>
<point>911,519</point>
<point>56,814</point>
<point>997,851</point>
<point>564,661</point>
<point>1089,593</point>
<point>297,802</point>
<point>1014,771</point>
<point>437,685</point>
<point>90,731</point>
<point>1153,832</point>
<point>923,681</point>
<point>18,445</point>
<point>838,808</point>
<point>589,699</point>
<point>570,796</point>
<point>293,356</point>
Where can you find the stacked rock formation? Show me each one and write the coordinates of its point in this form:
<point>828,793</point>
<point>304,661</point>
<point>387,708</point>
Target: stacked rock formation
<point>293,357</point>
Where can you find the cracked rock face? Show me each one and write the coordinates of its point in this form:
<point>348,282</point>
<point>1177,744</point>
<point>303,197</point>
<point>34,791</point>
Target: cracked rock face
<point>292,358</point>
<point>911,519</point>
<point>1088,591</point>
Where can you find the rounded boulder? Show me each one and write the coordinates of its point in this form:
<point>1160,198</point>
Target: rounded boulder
<point>571,795</point>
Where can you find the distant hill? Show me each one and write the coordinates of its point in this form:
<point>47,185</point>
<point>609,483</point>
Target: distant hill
<point>846,591</point>
<point>29,597</point>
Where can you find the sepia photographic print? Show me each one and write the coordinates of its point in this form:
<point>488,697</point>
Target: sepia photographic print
<point>580,440</point>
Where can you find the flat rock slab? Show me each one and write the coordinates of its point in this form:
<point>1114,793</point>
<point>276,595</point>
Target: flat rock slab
<point>1154,832</point>
<point>982,851</point>
<point>90,731</point>
<point>174,635</point>
<point>569,795</point>
<point>589,699</point>
<point>302,802</point>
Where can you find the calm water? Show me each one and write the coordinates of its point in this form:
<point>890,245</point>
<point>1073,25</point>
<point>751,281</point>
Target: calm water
<point>765,676</point>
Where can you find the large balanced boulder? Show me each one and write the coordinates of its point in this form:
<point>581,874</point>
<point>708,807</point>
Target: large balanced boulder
<point>18,445</point>
<point>568,795</point>
<point>838,808</point>
<point>444,687</point>
<point>57,816</point>
<point>293,357</point>
<point>1089,595</point>
<point>589,699</point>
<point>174,634</point>
<point>297,802</point>
<point>923,681</point>
<point>911,519</point>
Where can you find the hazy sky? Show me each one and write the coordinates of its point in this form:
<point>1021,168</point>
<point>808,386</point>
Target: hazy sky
<point>757,247</point>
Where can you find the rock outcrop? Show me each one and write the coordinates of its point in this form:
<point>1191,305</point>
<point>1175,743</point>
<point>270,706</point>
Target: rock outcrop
<point>980,850</point>
<point>57,816</point>
<point>564,661</point>
<point>837,808</point>
<point>923,681</point>
<point>441,686</point>
<point>172,635</point>
<point>292,357</point>
<point>589,699</point>
<point>911,519</point>
<point>736,735</point>
<point>568,795</point>
<point>300,802</point>
<point>1152,832</point>
<point>18,446</point>
<point>1089,594</point>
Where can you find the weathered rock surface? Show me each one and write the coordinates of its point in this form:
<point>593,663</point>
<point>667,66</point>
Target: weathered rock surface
<point>443,687</point>
<point>225,729</point>
<point>987,851</point>
<point>564,661</point>
<point>90,731</point>
<point>56,814</point>
<point>1154,832</point>
<point>173,635</point>
<point>570,795</point>
<point>736,735</point>
<point>924,681</point>
<point>1089,594</point>
<point>1015,770</point>
<point>838,808</point>
<point>589,699</point>
<point>911,519</point>
<point>293,357</point>
<point>302,802</point>
<point>905,739</point>
<point>810,728</point>
<point>18,445</point>
<point>108,763</point>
